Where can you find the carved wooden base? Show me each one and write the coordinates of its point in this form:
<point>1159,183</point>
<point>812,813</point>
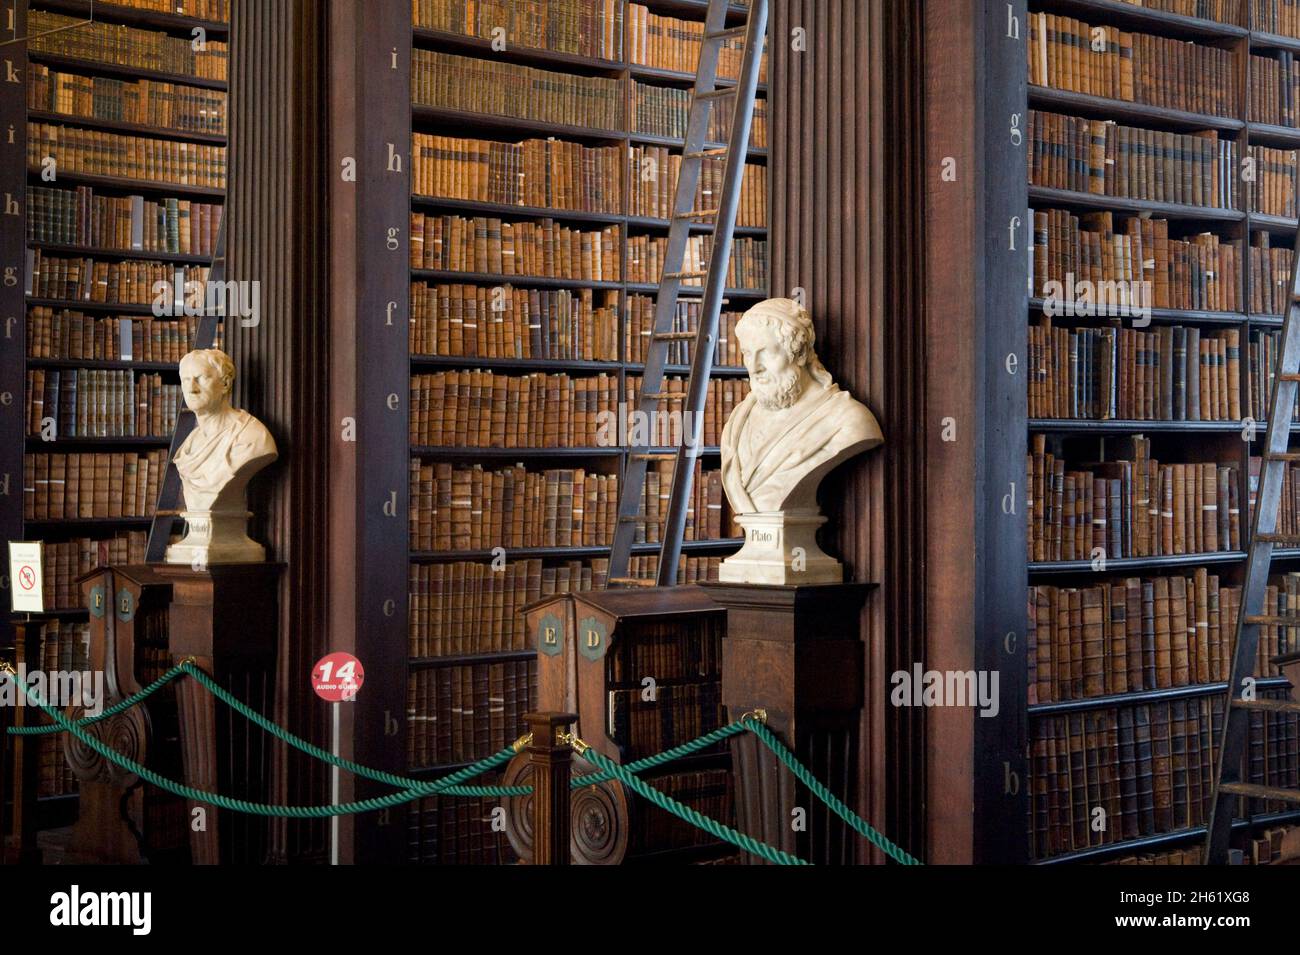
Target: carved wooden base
<point>795,652</point>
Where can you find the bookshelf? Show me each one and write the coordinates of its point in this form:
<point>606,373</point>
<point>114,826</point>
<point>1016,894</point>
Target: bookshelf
<point>586,47</point>
<point>1120,714</point>
<point>132,109</point>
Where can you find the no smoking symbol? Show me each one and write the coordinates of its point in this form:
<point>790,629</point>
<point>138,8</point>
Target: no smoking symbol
<point>26,577</point>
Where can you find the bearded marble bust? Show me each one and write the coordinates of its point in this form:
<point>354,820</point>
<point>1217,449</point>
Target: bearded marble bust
<point>223,452</point>
<point>791,430</point>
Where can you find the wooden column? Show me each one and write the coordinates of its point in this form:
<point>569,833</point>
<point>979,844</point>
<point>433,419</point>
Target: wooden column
<point>278,215</point>
<point>976,234</point>
<point>13,282</point>
<point>844,204</point>
<point>550,760</point>
<point>370,193</point>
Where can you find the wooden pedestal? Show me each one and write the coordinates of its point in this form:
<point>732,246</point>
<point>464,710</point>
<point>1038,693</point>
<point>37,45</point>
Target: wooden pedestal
<point>795,652</point>
<point>145,619</point>
<point>19,757</point>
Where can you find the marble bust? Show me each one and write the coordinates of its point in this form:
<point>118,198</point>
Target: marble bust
<point>779,443</point>
<point>225,449</point>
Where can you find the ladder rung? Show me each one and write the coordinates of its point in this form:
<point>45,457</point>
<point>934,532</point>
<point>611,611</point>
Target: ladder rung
<point>629,518</point>
<point>654,455</point>
<point>727,33</point>
<point>1282,455</point>
<point>1288,376</point>
<point>1286,659</point>
<point>1274,620</point>
<point>1292,539</point>
<point>686,275</point>
<point>716,94</point>
<point>673,336</point>
<point>663,395</point>
<point>706,153</point>
<point>633,581</point>
<point>1260,792</point>
<point>697,214</point>
<point>1271,706</point>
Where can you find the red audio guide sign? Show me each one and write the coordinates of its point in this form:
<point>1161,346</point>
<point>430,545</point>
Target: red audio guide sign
<point>337,677</point>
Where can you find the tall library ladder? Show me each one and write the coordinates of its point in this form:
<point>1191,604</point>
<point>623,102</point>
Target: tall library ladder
<point>705,334</point>
<point>1229,786</point>
<point>169,494</point>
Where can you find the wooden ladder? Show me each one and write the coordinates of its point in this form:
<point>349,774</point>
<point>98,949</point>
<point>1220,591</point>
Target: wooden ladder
<point>686,220</point>
<point>1241,698</point>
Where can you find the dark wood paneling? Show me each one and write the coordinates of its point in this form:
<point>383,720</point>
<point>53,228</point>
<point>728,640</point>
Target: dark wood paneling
<point>369,106</point>
<point>844,184</point>
<point>13,267</point>
<point>277,237</point>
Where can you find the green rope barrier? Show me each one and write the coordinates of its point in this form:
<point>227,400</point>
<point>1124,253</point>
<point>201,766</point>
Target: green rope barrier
<point>402,782</point>
<point>113,710</point>
<point>825,795</point>
<point>712,826</point>
<point>667,756</point>
<point>434,788</point>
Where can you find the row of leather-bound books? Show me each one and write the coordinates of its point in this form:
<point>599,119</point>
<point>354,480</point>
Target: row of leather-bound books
<point>99,403</point>
<point>1220,11</point>
<point>1101,157</point>
<point>115,484</point>
<point>504,321</point>
<point>544,173</point>
<point>665,111</point>
<point>1272,191</point>
<point>1270,276</point>
<point>65,561</point>
<point>1095,262</point>
<point>670,425</point>
<point>485,409</point>
<point>1134,634</point>
<point>218,11</point>
<point>457,508</point>
<point>67,333</point>
<point>1263,350</point>
<point>459,714</point>
<point>649,719</point>
<point>144,102</point>
<point>132,282</point>
<point>66,149</point>
<point>1098,60</point>
<point>670,43</point>
<point>640,324</point>
<point>1171,373</point>
<point>1281,17</point>
<point>540,247</point>
<point>1269,847</point>
<point>653,185</point>
<point>126,223</point>
<point>1128,507</point>
<point>464,607</point>
<point>746,268</point>
<point>120,45</point>
<point>592,28</point>
<point>666,650</point>
<point>1149,768</point>
<point>1274,91</point>
<point>498,88</point>
<point>457,830</point>
<point>63,646</point>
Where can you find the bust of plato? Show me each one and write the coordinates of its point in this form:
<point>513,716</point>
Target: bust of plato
<point>796,424</point>
<point>227,446</point>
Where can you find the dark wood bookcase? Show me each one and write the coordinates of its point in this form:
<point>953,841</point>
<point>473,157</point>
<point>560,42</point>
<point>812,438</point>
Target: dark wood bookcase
<point>424,841</point>
<point>1173,441</point>
<point>15,306</point>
